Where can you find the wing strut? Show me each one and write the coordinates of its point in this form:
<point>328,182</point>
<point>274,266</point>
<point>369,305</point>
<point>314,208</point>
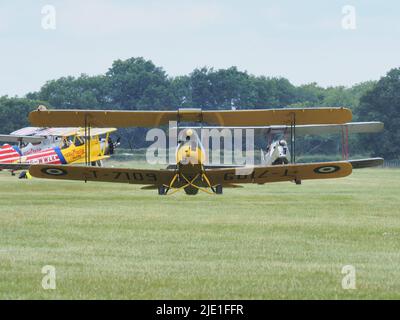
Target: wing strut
<point>293,138</point>
<point>345,143</point>
<point>86,148</point>
<point>87,142</point>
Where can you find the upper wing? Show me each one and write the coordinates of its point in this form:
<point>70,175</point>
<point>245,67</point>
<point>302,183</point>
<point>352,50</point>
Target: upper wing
<point>14,166</point>
<point>27,131</point>
<point>352,127</point>
<point>95,131</point>
<point>276,173</point>
<point>285,116</point>
<point>314,129</point>
<point>366,163</point>
<point>134,176</point>
<point>44,131</point>
<point>112,118</point>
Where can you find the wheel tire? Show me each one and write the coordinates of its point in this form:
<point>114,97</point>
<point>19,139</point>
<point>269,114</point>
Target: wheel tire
<point>161,190</point>
<point>191,191</point>
<point>22,175</point>
<point>218,189</point>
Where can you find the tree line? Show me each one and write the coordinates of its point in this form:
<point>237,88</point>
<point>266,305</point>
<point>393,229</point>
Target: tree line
<point>137,83</point>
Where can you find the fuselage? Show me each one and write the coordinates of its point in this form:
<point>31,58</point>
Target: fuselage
<point>190,153</point>
<point>190,159</point>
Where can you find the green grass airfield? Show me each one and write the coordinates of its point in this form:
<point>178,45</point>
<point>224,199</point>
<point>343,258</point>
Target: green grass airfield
<point>277,241</point>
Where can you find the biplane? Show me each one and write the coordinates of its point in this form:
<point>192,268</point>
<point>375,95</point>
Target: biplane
<point>65,145</point>
<point>190,173</point>
<point>277,149</point>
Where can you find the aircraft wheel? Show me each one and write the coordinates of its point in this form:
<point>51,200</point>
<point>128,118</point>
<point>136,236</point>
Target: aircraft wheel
<point>22,175</point>
<point>161,190</point>
<point>191,190</point>
<point>218,189</point>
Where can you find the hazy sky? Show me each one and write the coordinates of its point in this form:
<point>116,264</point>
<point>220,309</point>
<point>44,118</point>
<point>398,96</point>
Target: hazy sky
<point>303,41</point>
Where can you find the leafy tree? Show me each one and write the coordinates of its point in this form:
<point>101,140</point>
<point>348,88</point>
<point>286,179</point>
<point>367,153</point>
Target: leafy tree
<point>84,92</point>
<point>138,84</point>
<point>14,113</point>
<point>382,103</point>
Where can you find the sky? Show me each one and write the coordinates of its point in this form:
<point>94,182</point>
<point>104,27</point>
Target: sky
<point>303,41</point>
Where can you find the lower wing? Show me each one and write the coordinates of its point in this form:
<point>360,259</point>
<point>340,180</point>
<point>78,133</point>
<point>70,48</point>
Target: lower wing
<point>226,177</point>
<point>276,173</point>
<point>134,176</point>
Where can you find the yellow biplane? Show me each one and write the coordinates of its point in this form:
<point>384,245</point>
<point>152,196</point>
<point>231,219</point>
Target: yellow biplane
<point>191,173</point>
<point>65,145</point>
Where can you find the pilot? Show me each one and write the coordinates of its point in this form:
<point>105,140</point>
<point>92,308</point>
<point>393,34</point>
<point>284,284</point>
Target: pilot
<point>66,143</point>
<point>189,133</point>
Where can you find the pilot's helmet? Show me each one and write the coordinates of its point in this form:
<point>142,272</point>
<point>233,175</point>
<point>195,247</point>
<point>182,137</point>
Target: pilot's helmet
<point>189,133</point>
<point>282,143</point>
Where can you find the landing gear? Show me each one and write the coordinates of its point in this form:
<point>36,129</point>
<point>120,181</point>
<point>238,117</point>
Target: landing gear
<point>24,175</point>
<point>297,181</point>
<point>190,184</point>
<point>191,190</point>
<point>162,191</point>
<point>97,163</point>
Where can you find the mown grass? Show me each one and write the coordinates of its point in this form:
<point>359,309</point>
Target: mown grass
<point>277,241</point>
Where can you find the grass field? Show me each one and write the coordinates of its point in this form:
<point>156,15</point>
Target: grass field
<point>114,241</point>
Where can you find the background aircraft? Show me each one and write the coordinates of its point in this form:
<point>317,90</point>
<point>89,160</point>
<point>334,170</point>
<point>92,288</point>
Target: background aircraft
<point>34,145</point>
<point>277,150</point>
<point>190,173</point>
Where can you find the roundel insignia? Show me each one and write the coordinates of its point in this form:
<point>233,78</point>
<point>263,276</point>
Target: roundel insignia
<point>326,169</point>
<point>54,171</point>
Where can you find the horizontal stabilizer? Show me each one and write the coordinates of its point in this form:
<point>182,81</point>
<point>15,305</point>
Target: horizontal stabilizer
<point>366,163</point>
